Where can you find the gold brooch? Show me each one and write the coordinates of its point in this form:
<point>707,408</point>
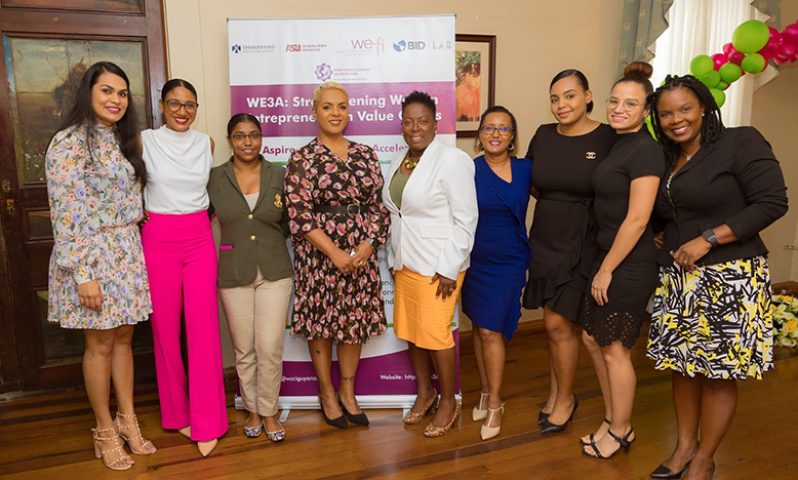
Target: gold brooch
<point>278,201</point>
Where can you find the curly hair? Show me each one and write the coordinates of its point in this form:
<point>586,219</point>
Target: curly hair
<point>712,126</point>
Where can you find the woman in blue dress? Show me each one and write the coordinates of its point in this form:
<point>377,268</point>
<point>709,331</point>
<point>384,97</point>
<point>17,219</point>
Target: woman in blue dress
<point>492,287</point>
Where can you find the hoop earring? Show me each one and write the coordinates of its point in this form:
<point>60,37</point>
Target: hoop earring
<point>511,147</point>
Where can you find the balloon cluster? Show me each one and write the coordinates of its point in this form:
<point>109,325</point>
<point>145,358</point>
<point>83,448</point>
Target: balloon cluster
<point>753,45</point>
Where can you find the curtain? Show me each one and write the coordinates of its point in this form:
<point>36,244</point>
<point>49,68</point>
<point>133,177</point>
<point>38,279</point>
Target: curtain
<point>643,22</point>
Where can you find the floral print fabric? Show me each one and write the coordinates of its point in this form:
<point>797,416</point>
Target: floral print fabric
<point>95,206</point>
<point>329,304</point>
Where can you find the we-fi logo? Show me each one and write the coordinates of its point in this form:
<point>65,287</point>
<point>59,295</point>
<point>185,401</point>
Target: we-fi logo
<point>403,45</point>
<point>377,44</point>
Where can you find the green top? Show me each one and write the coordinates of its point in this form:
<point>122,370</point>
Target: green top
<point>397,187</point>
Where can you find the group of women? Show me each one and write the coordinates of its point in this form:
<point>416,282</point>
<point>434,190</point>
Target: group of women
<point>612,204</point>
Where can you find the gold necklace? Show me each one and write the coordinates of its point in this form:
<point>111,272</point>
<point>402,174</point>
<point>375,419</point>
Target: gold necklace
<point>409,163</point>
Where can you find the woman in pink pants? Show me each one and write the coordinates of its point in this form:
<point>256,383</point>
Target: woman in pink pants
<point>181,265</point>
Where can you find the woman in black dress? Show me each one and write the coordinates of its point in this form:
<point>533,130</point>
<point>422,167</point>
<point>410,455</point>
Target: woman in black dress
<point>562,237</point>
<point>625,272</point>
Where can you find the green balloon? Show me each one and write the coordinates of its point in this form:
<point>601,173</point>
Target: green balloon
<point>650,128</point>
<point>753,63</point>
<point>700,65</point>
<point>711,78</point>
<point>730,72</point>
<point>750,36</point>
<point>722,85</point>
<point>719,96</point>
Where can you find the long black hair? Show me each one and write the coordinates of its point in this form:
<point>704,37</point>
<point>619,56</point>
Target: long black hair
<point>241,118</point>
<point>496,109</point>
<point>572,72</point>
<point>126,130</point>
<point>711,127</point>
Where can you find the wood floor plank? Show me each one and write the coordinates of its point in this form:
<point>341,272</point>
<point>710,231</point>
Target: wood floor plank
<point>47,435</point>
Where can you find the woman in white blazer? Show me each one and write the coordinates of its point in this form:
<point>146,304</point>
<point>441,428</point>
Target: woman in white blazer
<point>432,199</point>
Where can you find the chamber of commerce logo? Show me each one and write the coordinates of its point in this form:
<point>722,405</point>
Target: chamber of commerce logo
<point>323,72</point>
<point>236,48</point>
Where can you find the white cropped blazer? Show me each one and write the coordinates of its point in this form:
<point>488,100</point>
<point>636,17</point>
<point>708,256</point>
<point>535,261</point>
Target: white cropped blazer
<point>434,230</point>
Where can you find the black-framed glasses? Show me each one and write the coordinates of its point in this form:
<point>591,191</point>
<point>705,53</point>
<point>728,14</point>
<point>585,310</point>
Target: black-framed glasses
<point>240,137</point>
<point>174,106</point>
<point>628,105</point>
<point>489,129</point>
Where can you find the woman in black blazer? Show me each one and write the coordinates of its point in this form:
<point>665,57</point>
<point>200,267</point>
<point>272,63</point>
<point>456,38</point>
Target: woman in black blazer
<point>246,193</point>
<point>711,323</point>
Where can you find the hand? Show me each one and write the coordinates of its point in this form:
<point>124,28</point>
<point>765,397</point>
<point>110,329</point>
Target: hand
<point>362,254</point>
<point>144,218</point>
<point>91,295</point>
<point>342,261</point>
<point>691,252</point>
<point>601,283</point>
<point>446,286</point>
<point>659,240</point>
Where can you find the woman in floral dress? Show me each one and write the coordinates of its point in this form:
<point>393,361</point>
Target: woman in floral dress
<point>98,282</point>
<point>337,221</point>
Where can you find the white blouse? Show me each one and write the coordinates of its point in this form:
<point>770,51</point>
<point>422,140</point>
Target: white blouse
<point>178,166</point>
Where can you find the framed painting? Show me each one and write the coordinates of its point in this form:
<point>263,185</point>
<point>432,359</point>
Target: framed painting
<point>117,6</point>
<point>475,75</point>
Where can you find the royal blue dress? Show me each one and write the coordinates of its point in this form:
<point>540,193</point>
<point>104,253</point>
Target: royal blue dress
<point>491,292</point>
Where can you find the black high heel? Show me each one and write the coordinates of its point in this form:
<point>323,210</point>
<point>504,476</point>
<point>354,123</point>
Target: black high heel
<point>542,416</point>
<point>547,427</point>
<point>339,422</point>
<point>664,473</point>
<point>356,418</point>
<point>592,438</point>
<point>624,442</point>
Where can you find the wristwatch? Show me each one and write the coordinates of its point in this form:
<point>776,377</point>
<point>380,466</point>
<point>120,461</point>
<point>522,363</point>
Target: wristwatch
<point>709,236</point>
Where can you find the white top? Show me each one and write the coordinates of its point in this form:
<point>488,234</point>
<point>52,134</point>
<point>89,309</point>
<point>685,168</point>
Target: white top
<point>252,199</point>
<point>434,230</point>
<point>178,166</point>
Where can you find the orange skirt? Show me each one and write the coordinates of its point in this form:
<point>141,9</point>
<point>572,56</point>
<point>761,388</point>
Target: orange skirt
<point>418,316</point>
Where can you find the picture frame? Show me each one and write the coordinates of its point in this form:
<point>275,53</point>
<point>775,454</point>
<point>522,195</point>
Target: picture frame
<point>475,80</point>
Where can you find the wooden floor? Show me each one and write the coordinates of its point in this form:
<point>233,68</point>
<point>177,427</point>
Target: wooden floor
<point>47,436</point>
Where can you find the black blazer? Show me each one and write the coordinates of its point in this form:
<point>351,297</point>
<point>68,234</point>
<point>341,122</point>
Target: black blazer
<point>250,239</point>
<point>735,181</point>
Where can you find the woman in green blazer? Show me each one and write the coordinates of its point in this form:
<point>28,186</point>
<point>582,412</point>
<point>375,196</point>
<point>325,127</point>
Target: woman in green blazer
<point>255,271</point>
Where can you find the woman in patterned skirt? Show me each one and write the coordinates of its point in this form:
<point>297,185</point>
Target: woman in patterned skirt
<point>337,222</point>
<point>98,282</point>
<point>711,324</point>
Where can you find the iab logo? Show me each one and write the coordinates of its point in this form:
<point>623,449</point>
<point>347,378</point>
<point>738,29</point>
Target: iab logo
<point>377,44</point>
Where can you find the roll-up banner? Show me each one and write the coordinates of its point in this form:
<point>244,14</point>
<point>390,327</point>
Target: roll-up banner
<point>275,64</point>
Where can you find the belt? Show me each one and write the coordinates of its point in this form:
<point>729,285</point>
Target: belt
<point>352,209</point>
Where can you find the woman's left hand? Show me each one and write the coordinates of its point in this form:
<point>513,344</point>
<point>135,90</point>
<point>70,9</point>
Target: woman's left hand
<point>362,254</point>
<point>446,286</point>
<point>691,252</point>
<point>601,283</point>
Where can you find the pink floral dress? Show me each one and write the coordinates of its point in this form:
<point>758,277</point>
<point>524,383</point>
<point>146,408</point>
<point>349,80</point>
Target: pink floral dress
<point>95,207</point>
<point>328,304</point>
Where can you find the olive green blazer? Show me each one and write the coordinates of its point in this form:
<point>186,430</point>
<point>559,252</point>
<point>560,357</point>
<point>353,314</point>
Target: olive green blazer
<point>250,239</point>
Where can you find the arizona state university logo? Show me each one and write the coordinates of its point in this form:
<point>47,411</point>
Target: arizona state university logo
<point>590,155</point>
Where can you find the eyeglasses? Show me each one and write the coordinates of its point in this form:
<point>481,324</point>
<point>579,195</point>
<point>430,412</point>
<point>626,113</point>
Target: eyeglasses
<point>628,105</point>
<point>489,129</point>
<point>174,106</point>
<point>240,137</point>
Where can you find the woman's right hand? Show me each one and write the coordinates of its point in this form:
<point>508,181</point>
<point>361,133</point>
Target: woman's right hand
<point>91,295</point>
<point>342,260</point>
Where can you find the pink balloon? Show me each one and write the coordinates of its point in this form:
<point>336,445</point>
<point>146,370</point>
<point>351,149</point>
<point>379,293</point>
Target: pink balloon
<point>736,57</point>
<point>791,32</point>
<point>779,61</point>
<point>728,48</point>
<point>787,50</point>
<point>774,33</point>
<point>719,60</point>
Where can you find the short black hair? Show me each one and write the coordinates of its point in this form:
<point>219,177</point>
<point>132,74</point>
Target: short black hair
<point>241,118</point>
<point>177,82</point>
<point>419,97</point>
<point>496,109</point>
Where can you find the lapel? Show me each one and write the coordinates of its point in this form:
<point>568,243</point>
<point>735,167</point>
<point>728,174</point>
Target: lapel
<point>231,175</point>
<point>702,153</point>
<point>266,172</point>
<point>488,177</point>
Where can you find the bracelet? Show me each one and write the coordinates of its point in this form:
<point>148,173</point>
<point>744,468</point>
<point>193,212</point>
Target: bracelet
<point>709,236</point>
